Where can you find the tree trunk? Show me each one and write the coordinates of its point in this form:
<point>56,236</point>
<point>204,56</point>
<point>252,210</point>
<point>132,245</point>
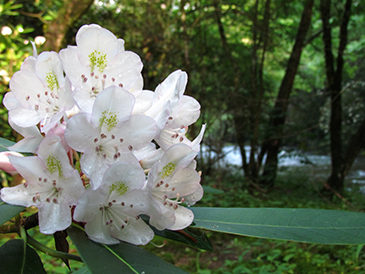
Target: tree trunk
<point>334,82</point>
<point>275,128</point>
<point>67,15</point>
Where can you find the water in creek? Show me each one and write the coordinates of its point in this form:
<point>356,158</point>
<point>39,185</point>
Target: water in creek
<point>289,161</point>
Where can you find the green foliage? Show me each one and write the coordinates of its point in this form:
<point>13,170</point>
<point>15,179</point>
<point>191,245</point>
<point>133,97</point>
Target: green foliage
<point>116,258</point>
<point>17,257</point>
<point>302,225</point>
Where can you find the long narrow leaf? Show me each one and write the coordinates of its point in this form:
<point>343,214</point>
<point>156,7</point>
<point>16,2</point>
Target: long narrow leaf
<point>17,260</point>
<point>301,225</point>
<point>8,211</point>
<point>120,258</point>
<point>4,144</point>
<point>183,236</point>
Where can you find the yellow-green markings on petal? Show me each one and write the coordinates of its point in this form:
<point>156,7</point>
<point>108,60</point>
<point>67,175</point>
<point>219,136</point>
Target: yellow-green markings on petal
<point>51,80</point>
<point>110,119</point>
<point>167,170</point>
<point>53,165</point>
<point>119,187</point>
<point>98,59</point>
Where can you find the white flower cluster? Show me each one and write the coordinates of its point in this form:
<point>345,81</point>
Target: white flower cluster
<point>89,100</point>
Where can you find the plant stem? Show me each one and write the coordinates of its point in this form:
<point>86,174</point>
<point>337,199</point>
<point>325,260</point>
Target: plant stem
<point>54,253</point>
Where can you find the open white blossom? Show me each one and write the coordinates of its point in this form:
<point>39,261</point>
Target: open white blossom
<point>97,62</point>
<point>52,185</point>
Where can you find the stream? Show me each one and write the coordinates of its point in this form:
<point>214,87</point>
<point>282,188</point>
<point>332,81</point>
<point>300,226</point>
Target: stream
<point>318,165</point>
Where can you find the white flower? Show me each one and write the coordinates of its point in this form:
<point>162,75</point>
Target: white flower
<point>112,211</point>
<point>109,133</point>
<point>173,110</point>
<point>51,184</point>
<point>97,62</point>
<point>42,93</point>
<point>169,182</point>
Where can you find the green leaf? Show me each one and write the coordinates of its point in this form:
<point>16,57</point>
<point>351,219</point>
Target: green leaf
<point>12,258</point>
<point>83,270</point>
<point>8,211</point>
<point>301,225</point>
<point>209,189</point>
<point>121,258</point>
<point>186,237</point>
<point>4,144</point>
<point>183,236</point>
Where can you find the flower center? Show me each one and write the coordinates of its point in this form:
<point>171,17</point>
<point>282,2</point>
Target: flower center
<point>167,170</point>
<point>110,119</point>
<point>119,187</point>
<point>98,59</point>
<point>51,80</point>
<point>53,165</point>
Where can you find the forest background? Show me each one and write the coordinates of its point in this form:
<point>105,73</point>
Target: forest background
<point>268,74</point>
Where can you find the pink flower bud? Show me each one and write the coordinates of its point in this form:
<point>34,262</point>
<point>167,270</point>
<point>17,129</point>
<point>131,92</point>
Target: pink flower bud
<point>5,164</point>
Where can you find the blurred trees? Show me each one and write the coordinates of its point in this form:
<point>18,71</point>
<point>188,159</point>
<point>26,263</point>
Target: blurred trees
<point>261,77</point>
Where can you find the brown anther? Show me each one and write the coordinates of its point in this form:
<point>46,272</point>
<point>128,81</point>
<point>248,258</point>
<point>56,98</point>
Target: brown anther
<point>101,208</point>
<point>181,139</point>
<point>170,118</point>
<point>27,98</point>
<point>130,147</point>
<point>167,185</point>
<point>55,200</point>
<point>137,218</point>
<point>175,206</point>
<point>96,77</point>
<point>95,140</point>
<point>38,95</point>
<point>110,204</point>
<point>113,79</point>
<point>25,184</point>
<point>122,203</point>
<point>121,85</point>
<point>39,179</point>
<point>48,200</point>
<point>84,80</point>
<point>122,227</point>
<point>45,180</point>
<point>113,136</point>
<point>92,74</point>
<point>34,199</point>
<point>114,201</point>
<point>83,76</point>
<point>46,93</point>
<point>173,189</point>
<point>121,140</point>
<point>104,76</point>
<point>103,136</point>
<point>131,206</point>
